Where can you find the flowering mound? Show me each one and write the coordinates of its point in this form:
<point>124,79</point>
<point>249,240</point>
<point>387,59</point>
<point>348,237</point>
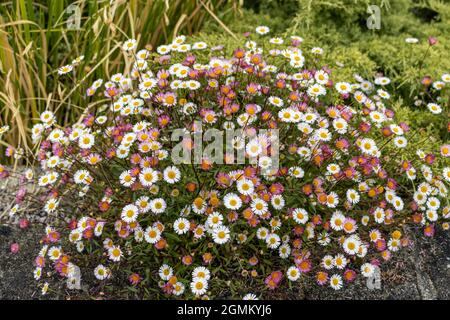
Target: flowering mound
<point>306,177</point>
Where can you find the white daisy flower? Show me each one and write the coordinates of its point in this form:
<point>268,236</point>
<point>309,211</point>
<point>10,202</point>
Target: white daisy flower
<point>201,272</point>
<point>300,216</point>
<point>129,45</point>
<point>367,270</point>
<point>126,179</point>
<point>273,241</point>
<point>115,253</point>
<point>232,201</point>
<point>158,205</point>
<point>259,206</point>
<point>152,235</point>
<point>130,213</point>
<point>148,177</point>
<point>165,272</point>
<point>221,234</point>
<point>101,272</point>
<point>336,282</point>
<point>181,226</point>
<point>172,174</point>
<point>199,286</point>
<point>293,273</point>
<point>262,30</point>
<point>245,186</point>
<point>86,141</point>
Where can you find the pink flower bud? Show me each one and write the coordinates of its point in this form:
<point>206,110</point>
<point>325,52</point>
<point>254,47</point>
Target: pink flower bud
<point>432,41</point>
<point>14,248</point>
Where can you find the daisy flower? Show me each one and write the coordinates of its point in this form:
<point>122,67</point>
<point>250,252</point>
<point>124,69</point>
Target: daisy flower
<point>434,108</point>
<point>273,241</point>
<point>446,173</point>
<point>126,179</point>
<point>129,45</point>
<point>343,87</point>
<point>276,101</point>
<point>163,49</point>
<point>259,206</point>
<point>44,289</point>
<point>284,251</point>
<point>101,272</point>
<point>332,200</point>
<point>277,202</point>
<point>398,203</point>
<point>336,282</point>
<point>337,221</point>
<point>158,205</point>
<point>353,196</point>
<point>262,233</point>
<point>321,77</point>
<point>152,235</point>
<point>317,51</point>
<point>165,272</point>
<point>214,220</point>
<point>245,186</point>
<point>400,142</point>
<point>65,69</point>
<point>54,253</point>
<point>86,141</point>
<point>82,177</point>
<point>178,289</point>
<point>199,45</point>
<point>300,216</point>
<point>327,262</point>
<point>201,272</point>
<point>115,253</point>
<point>367,146</point>
<point>383,81</point>
<point>172,174</point>
<point>130,213</point>
<point>250,296</point>
<point>221,234</point>
<point>265,162</point>
<point>232,201</point>
<point>431,215</point>
<point>181,226</point>
<point>340,261</point>
<point>262,30</point>
<point>367,270</point>
<point>379,215</point>
<point>351,245</point>
<point>51,205</point>
<point>293,273</point>
<point>199,286</point>
<point>253,148</point>
<point>316,90</point>
<point>143,203</point>
<point>57,135</point>
<point>199,232</point>
<point>37,273</point>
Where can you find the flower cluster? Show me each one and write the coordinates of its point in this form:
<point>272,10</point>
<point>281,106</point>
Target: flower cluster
<point>333,209</point>
<point>434,93</point>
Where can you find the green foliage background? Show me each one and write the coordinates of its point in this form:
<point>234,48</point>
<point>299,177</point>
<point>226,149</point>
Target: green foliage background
<point>340,28</point>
